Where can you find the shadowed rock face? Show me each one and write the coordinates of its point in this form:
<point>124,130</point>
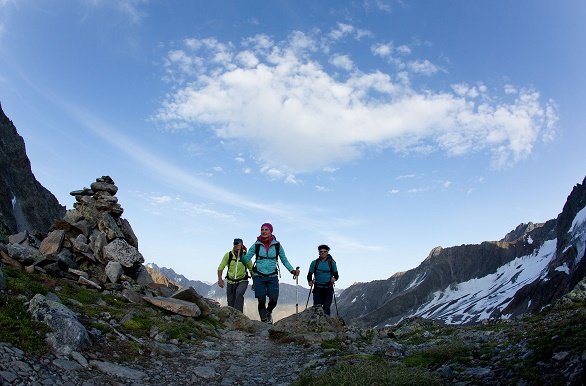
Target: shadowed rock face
<point>24,203</point>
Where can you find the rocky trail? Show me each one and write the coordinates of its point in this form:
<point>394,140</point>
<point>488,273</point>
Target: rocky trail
<point>234,358</point>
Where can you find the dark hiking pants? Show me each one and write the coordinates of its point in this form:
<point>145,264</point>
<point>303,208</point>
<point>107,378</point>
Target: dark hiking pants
<point>266,287</point>
<point>323,296</point>
<point>235,294</point>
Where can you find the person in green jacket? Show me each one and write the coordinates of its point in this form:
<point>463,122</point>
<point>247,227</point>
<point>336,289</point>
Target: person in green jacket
<point>236,275</point>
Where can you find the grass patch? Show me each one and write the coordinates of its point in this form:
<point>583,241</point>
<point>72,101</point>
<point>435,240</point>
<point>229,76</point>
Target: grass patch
<point>139,325</point>
<point>81,294</point>
<point>549,335</point>
<point>24,283</point>
<point>333,344</point>
<point>18,328</point>
<point>369,371</point>
<point>433,356</point>
<point>181,328</point>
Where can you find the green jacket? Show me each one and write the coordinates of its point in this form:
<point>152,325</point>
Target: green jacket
<point>236,271</point>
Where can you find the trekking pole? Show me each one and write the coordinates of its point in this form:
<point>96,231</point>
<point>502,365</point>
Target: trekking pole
<point>308,295</point>
<point>335,301</point>
<point>297,292</point>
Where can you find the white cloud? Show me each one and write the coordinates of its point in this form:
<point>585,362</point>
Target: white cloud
<point>160,199</point>
<point>320,188</point>
<point>384,50</point>
<point>342,61</point>
<point>424,67</point>
<point>287,100</point>
<point>343,30</point>
<point>165,203</point>
<point>406,176</point>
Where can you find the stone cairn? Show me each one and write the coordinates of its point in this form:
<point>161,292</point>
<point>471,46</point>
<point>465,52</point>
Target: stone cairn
<point>95,247</point>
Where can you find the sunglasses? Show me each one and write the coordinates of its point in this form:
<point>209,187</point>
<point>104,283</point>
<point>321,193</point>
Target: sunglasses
<point>323,251</point>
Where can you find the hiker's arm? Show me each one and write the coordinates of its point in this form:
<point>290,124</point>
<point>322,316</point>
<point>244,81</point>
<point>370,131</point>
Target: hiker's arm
<point>245,259</point>
<point>335,275</point>
<point>221,267</point>
<point>310,274</point>
<point>283,258</point>
<point>220,280</point>
<point>223,263</point>
<point>249,267</point>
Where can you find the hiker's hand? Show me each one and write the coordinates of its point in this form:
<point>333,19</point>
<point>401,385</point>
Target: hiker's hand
<point>295,273</point>
<point>333,280</point>
<point>310,283</point>
<point>220,283</point>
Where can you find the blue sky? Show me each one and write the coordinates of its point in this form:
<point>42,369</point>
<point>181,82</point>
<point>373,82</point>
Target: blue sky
<point>382,128</point>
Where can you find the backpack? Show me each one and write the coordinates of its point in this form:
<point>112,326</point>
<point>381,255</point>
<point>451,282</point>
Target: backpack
<point>330,260</point>
<point>277,250</point>
<point>230,258</point>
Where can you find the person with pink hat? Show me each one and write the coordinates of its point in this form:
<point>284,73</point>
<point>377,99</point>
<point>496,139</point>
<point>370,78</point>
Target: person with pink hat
<point>265,270</point>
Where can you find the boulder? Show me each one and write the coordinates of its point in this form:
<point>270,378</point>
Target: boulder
<point>68,334</point>
<point>176,306</point>
<point>119,250</point>
<point>51,245</point>
<point>190,294</point>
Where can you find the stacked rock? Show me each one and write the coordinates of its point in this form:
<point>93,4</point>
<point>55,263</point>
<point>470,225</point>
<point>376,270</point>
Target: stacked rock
<point>91,242</point>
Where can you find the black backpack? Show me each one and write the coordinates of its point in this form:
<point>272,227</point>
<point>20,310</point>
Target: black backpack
<point>330,260</point>
<point>277,250</point>
<point>230,258</point>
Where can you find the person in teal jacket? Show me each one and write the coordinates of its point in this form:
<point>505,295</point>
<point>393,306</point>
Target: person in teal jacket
<point>265,274</point>
<point>236,275</point>
<point>322,275</point>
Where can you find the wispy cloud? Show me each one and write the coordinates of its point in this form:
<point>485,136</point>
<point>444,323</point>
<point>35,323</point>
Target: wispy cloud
<point>132,10</point>
<point>172,174</point>
<point>280,98</point>
<point>165,204</point>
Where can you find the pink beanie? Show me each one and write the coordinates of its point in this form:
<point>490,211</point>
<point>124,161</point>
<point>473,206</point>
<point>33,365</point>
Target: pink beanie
<point>267,225</point>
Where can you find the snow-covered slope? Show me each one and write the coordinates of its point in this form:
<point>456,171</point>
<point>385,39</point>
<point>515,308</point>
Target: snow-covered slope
<point>532,266</point>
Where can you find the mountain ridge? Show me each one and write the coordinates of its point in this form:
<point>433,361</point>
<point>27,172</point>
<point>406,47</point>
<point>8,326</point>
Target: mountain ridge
<point>425,290</point>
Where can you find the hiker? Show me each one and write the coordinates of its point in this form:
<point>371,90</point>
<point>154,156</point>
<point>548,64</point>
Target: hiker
<point>236,275</point>
<point>325,274</point>
<point>265,270</point>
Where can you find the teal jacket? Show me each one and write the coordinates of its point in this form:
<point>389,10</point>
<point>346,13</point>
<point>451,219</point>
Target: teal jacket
<point>266,262</point>
<point>323,274</point>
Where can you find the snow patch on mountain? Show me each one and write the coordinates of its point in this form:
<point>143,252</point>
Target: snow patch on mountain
<point>476,299</point>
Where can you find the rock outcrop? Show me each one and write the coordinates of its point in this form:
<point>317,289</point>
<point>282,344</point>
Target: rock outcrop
<point>25,205</point>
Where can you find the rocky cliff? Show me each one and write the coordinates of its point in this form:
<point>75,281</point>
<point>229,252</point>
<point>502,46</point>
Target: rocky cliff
<point>24,203</point>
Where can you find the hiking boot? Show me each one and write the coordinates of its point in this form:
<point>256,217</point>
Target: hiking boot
<point>269,318</point>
